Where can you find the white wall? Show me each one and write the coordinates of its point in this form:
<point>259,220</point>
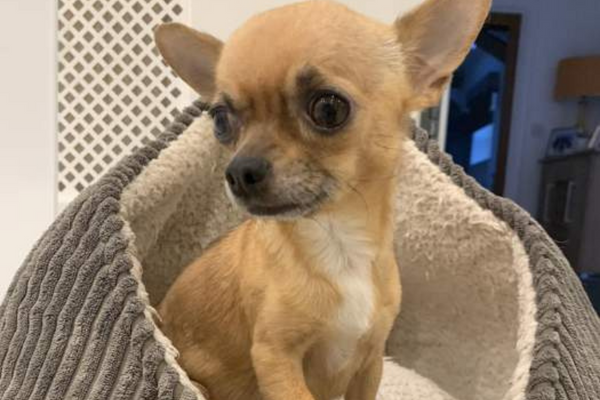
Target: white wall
<point>221,18</point>
<point>551,30</point>
<point>27,128</point>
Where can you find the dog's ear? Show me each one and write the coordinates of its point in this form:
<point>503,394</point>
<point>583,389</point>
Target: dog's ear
<point>435,38</point>
<point>192,54</point>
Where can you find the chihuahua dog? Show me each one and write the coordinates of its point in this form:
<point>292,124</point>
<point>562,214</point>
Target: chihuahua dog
<point>312,100</point>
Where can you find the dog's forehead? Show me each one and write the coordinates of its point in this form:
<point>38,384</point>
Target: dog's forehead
<point>270,46</point>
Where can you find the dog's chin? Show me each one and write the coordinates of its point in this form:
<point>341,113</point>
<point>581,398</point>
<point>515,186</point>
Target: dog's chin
<point>284,211</point>
<point>279,209</point>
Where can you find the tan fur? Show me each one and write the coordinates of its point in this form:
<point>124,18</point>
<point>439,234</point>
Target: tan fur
<point>270,311</point>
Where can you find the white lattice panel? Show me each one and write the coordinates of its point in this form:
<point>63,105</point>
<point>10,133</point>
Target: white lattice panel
<point>114,91</point>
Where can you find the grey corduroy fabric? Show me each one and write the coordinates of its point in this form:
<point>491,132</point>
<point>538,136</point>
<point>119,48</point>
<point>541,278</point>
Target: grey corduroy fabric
<point>74,326</point>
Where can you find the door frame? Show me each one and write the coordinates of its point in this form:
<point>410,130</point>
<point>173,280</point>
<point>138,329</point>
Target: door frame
<point>512,22</point>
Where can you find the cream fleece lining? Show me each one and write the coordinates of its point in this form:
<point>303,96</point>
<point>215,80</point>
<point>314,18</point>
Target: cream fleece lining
<point>467,312</point>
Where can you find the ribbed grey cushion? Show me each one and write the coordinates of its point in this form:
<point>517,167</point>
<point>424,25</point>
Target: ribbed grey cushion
<point>75,324</point>
<point>72,323</point>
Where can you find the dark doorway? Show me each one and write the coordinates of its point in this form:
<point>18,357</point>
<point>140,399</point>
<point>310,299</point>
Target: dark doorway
<point>481,96</point>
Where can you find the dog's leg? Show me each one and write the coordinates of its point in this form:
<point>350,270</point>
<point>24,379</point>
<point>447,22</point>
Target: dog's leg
<point>365,383</point>
<point>279,372</point>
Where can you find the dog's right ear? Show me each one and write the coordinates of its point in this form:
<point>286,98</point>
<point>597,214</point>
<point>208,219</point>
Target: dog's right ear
<point>192,54</point>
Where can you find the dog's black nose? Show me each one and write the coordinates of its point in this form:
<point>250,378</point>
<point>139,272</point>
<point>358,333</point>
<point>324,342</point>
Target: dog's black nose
<point>246,174</point>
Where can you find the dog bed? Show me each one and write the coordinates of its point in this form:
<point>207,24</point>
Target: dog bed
<point>491,310</point>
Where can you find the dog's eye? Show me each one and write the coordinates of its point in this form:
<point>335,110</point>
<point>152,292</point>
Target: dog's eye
<point>223,127</point>
<point>328,110</point>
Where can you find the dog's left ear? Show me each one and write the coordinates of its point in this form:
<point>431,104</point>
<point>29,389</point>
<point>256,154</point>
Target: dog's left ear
<point>436,38</point>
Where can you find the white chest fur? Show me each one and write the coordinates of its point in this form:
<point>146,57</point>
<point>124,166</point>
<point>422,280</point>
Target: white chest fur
<point>341,249</point>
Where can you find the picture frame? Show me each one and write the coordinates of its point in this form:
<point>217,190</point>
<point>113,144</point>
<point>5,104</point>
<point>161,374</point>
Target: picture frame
<point>594,142</point>
<point>566,141</point>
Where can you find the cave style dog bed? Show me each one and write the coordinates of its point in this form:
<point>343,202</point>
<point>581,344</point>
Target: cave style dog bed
<point>491,310</point>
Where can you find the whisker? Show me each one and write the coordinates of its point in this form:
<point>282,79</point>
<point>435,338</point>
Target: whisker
<point>384,178</point>
<point>358,192</point>
<point>386,147</point>
<point>316,221</point>
<point>365,180</point>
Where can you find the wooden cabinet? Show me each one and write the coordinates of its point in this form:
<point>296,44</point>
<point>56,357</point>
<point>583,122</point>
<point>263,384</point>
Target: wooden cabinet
<point>570,207</point>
